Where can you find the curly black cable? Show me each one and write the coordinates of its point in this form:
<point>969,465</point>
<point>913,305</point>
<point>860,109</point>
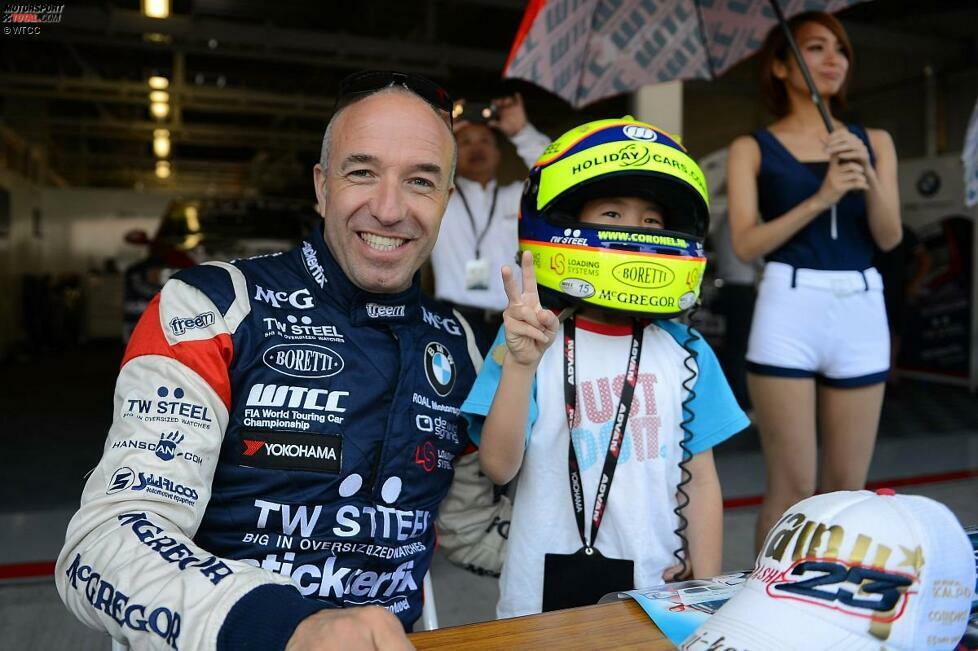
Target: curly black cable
<point>685,476</point>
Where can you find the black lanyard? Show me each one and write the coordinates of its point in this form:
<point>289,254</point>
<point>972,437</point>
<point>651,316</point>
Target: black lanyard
<point>617,432</point>
<point>492,210</point>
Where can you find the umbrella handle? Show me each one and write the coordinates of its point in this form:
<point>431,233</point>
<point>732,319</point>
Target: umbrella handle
<point>816,97</point>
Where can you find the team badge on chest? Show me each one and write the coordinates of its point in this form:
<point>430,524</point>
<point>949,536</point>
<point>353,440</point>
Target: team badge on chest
<point>439,368</point>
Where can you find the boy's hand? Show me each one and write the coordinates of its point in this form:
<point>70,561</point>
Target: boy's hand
<point>672,573</point>
<point>530,329</point>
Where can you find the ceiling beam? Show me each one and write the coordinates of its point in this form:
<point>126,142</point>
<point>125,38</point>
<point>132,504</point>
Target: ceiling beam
<point>196,98</point>
<point>125,28</point>
<point>214,135</point>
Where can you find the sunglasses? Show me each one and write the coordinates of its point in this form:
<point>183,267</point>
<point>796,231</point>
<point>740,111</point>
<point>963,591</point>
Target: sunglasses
<point>367,82</point>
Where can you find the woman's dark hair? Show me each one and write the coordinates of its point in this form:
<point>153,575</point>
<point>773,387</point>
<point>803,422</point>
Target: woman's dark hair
<point>776,48</point>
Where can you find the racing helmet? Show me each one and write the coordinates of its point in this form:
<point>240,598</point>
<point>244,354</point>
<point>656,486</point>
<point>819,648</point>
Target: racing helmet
<point>636,271</point>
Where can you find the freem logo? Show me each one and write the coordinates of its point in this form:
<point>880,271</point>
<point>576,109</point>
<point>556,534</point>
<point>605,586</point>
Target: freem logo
<point>179,325</point>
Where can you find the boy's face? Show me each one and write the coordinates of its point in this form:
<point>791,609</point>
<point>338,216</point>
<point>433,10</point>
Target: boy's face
<point>629,212</point>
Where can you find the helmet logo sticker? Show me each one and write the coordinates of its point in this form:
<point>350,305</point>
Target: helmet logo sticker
<point>557,264</point>
<point>439,368</point>
<point>636,132</point>
<point>633,155</point>
<point>644,275</point>
<point>638,271</point>
<point>630,155</point>
<point>577,288</point>
<point>571,236</point>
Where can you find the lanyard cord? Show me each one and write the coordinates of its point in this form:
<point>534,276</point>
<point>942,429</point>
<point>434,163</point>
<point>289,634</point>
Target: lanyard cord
<point>617,432</point>
<point>468,211</point>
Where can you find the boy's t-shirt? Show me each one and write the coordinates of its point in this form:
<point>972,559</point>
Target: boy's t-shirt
<point>639,522</point>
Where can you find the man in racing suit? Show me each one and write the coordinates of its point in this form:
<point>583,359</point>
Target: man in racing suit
<point>285,427</point>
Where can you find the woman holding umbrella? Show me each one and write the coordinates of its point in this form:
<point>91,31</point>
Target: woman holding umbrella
<point>814,202</point>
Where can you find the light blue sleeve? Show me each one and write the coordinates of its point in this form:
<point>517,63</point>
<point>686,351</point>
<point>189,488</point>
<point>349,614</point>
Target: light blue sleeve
<point>716,414</point>
<point>476,405</point>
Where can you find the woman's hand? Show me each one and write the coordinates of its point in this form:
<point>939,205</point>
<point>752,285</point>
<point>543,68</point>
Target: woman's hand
<point>842,177</point>
<point>847,147</point>
<point>530,329</point>
<point>849,167</point>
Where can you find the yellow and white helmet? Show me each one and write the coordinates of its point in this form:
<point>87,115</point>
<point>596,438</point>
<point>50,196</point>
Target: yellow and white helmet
<point>650,273</point>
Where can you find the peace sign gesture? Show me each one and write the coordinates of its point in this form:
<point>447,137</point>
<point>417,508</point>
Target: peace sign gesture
<point>530,329</point>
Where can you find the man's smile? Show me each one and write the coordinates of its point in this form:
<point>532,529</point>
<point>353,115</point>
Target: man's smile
<point>381,242</point>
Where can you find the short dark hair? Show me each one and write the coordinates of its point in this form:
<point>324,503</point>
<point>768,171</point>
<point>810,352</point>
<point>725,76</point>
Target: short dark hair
<point>776,48</point>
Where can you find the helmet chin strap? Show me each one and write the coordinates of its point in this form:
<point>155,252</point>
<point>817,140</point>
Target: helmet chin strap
<point>567,312</point>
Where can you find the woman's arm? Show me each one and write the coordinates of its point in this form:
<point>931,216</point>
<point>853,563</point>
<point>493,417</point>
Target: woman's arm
<point>883,196</point>
<point>752,238</point>
<point>705,514</point>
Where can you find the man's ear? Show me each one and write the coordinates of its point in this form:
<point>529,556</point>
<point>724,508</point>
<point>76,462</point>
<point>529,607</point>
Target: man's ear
<point>319,182</point>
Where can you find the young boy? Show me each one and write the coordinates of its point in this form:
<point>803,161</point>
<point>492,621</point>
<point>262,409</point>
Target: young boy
<point>591,232</point>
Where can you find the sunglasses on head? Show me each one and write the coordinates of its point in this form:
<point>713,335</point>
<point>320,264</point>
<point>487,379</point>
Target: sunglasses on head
<point>367,82</point>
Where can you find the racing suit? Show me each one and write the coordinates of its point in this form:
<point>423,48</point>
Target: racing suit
<point>281,441</point>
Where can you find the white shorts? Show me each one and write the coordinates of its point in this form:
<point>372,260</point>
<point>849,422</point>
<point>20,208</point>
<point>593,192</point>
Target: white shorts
<point>829,325</point>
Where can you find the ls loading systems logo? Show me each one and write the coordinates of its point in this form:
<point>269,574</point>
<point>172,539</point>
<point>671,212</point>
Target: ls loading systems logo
<point>26,18</point>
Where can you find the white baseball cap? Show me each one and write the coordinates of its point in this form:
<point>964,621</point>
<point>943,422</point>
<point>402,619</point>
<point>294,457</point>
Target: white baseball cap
<point>852,570</point>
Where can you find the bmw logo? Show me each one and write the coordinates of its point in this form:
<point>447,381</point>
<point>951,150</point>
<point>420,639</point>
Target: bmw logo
<point>928,183</point>
<point>439,368</point>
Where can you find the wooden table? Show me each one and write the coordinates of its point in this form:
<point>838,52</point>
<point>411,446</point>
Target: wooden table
<point>616,625</point>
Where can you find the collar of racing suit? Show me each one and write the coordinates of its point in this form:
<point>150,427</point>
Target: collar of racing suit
<point>365,308</point>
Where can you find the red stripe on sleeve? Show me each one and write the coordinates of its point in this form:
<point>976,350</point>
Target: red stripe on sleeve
<point>209,358</point>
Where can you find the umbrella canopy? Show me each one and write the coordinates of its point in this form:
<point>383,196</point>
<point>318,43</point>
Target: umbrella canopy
<point>591,49</point>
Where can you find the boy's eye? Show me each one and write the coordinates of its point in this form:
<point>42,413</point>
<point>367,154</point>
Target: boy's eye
<point>611,214</point>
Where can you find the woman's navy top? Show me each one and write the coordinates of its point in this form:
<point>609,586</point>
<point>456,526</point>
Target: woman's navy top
<point>784,182</point>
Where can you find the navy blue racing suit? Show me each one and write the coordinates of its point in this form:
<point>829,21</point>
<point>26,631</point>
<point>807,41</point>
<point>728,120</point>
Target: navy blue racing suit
<point>281,442</point>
